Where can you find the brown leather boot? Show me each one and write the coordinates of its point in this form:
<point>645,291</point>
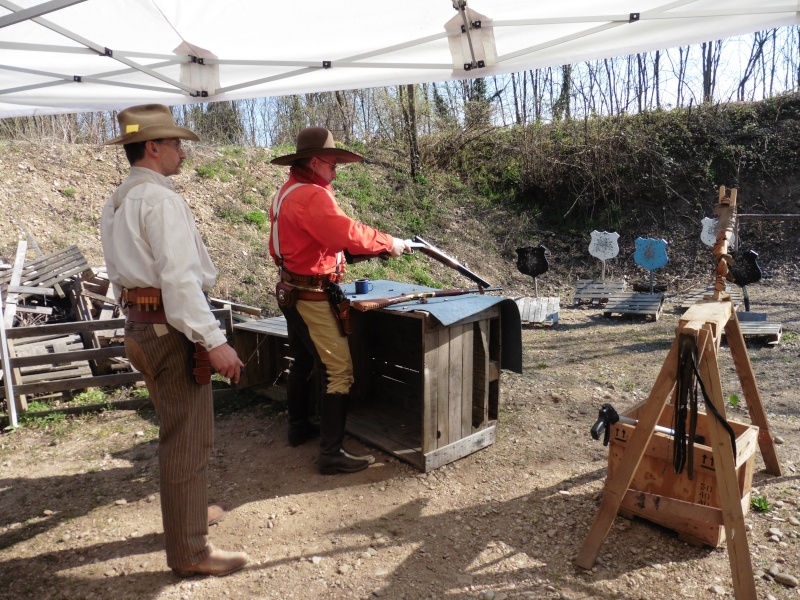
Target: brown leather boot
<point>216,564</point>
<point>217,512</point>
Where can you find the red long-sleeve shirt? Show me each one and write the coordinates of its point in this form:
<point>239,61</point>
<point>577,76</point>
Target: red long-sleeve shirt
<point>313,231</point>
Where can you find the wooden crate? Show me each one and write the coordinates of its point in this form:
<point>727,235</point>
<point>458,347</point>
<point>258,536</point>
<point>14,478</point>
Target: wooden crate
<point>538,310</point>
<point>689,507</point>
<point>263,347</point>
<point>426,393</point>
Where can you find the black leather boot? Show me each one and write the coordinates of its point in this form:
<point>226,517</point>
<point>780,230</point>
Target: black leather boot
<point>333,458</point>
<point>298,399</point>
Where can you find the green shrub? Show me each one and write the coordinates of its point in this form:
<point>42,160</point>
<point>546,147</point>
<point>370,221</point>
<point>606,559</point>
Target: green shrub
<point>257,217</point>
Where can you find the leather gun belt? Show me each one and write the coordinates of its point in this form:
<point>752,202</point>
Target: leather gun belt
<point>311,281</point>
<point>311,296</point>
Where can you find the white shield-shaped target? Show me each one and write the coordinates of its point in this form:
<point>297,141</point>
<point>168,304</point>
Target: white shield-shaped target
<point>710,230</point>
<point>709,234</point>
<point>603,245</point>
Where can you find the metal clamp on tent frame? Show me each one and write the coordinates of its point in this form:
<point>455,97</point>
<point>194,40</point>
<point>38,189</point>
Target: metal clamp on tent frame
<point>461,7</point>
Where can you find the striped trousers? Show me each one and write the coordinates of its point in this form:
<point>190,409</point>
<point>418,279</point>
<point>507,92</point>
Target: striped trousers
<point>186,415</point>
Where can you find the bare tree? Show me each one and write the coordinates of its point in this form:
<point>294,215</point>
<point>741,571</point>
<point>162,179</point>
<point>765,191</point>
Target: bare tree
<point>711,52</point>
<point>756,52</point>
<point>409,108</point>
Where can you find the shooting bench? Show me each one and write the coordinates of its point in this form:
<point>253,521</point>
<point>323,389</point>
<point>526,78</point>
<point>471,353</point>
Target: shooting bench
<point>427,375</point>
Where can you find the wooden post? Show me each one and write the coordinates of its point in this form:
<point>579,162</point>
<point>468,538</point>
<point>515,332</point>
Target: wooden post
<point>21,402</point>
<point>7,373</point>
<point>744,369</point>
<point>617,486</point>
<point>744,586</point>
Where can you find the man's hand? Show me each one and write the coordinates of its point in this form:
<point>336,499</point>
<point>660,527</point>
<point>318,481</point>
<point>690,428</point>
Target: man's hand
<point>226,362</point>
<point>399,247</point>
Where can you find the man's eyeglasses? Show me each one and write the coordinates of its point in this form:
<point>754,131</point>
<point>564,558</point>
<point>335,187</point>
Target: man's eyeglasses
<point>332,164</point>
<point>174,142</point>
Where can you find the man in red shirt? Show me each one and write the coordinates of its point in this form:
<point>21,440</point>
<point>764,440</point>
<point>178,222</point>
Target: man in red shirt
<point>309,241</point>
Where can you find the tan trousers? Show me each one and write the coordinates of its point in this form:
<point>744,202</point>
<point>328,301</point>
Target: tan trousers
<point>186,415</point>
<point>332,347</point>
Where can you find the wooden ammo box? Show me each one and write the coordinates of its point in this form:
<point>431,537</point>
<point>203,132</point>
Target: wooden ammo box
<point>424,392</point>
<point>689,507</point>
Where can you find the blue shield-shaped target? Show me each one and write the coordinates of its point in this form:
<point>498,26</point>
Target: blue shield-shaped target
<point>650,253</point>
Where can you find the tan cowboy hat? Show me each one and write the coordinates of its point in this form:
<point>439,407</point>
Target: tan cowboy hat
<point>317,141</point>
<point>149,122</point>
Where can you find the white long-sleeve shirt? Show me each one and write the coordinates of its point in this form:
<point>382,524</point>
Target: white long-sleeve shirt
<point>150,240</point>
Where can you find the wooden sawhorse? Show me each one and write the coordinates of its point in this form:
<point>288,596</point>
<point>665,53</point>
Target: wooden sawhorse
<point>703,322</point>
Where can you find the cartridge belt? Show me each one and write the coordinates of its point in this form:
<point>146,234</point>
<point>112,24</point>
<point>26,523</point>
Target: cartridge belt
<point>313,281</point>
<point>142,295</point>
<point>143,305</point>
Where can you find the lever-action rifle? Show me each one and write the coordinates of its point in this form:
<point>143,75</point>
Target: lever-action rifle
<point>365,305</point>
<point>417,243</point>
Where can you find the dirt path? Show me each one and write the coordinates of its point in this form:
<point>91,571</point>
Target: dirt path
<point>79,503</point>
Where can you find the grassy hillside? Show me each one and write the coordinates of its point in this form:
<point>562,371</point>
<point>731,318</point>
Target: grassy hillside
<point>482,194</point>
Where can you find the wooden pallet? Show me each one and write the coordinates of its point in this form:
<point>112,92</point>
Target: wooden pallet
<point>755,325</point>
<point>734,291</point>
<point>56,358</point>
<point>46,271</point>
<point>538,310</point>
<point>597,292</point>
<point>635,304</point>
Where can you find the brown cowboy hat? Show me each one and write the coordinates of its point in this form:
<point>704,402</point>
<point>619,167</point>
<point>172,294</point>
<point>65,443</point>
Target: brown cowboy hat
<point>317,141</point>
<point>149,122</point>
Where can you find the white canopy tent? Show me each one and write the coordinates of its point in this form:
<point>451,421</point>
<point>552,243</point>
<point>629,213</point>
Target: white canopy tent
<point>62,56</point>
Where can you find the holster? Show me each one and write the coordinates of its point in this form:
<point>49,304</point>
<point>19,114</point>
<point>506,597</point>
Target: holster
<point>340,305</point>
<point>202,365</point>
<point>286,294</point>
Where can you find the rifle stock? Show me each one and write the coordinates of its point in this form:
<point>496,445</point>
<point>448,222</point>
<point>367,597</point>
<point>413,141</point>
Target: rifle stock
<point>375,303</point>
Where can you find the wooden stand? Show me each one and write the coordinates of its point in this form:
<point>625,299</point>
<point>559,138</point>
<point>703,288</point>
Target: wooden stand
<point>704,322</point>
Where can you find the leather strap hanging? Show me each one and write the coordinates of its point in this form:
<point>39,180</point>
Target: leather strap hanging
<point>686,406</point>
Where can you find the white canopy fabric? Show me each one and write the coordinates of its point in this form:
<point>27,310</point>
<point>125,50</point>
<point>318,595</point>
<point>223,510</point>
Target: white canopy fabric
<point>63,56</point>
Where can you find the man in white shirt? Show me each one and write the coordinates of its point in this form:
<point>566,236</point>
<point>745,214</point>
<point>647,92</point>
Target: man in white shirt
<point>160,269</point>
